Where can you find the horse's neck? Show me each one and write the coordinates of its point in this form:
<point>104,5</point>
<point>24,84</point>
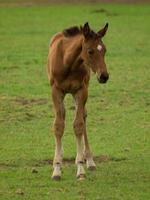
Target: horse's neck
<point>73,48</point>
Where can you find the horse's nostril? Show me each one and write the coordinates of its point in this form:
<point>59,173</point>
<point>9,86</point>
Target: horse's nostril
<point>103,78</point>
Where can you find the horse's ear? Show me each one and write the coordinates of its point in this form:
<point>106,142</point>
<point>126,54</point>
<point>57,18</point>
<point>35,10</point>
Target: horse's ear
<point>103,31</point>
<point>86,30</point>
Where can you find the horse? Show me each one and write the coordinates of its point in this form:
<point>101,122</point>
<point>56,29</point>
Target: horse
<point>73,54</point>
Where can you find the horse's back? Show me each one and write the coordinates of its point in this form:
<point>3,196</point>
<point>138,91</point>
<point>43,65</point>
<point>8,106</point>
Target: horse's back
<point>56,37</point>
<point>54,51</point>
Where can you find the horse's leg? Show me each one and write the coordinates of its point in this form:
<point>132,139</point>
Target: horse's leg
<point>87,151</point>
<point>57,97</point>
<point>79,128</point>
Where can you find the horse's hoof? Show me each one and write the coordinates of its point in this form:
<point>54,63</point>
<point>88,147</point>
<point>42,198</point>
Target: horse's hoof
<point>81,177</point>
<point>92,168</point>
<point>56,178</point>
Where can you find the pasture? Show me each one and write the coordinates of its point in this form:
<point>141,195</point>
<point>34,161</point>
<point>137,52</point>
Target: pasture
<point>118,118</point>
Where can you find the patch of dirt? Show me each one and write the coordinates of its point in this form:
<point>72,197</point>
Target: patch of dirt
<point>97,159</point>
<point>19,109</point>
<point>24,101</point>
<point>66,161</point>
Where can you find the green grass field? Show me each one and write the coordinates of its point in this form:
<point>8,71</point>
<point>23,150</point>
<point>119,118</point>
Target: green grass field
<point>118,121</point>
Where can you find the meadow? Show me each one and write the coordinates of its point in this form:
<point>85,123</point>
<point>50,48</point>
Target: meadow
<point>118,112</point>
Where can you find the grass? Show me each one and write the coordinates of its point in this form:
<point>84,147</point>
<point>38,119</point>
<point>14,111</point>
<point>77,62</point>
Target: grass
<point>118,115</point>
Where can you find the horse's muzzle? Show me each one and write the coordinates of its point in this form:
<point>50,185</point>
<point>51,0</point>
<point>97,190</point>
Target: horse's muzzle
<point>103,78</point>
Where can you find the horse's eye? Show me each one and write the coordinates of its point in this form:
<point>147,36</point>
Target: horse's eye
<point>90,51</point>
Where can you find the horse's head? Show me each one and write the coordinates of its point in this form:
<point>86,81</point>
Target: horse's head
<point>93,52</point>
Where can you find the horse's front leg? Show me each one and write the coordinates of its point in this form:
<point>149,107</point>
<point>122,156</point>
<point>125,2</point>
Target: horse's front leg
<point>87,151</point>
<point>79,129</point>
<point>57,97</point>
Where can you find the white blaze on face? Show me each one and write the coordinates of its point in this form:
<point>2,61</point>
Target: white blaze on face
<point>99,47</point>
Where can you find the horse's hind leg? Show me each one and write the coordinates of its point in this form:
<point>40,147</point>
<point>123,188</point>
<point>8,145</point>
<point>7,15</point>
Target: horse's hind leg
<point>58,97</point>
<point>87,151</point>
<point>79,128</point>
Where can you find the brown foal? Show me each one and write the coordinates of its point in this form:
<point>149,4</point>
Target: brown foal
<point>72,54</point>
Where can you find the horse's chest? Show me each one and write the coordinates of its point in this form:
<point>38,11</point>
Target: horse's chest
<point>74,79</point>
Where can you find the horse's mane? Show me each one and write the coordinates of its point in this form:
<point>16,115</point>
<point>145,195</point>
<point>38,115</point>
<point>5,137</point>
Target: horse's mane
<point>72,31</point>
<point>75,30</point>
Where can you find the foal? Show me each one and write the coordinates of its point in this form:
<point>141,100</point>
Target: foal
<point>73,53</point>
